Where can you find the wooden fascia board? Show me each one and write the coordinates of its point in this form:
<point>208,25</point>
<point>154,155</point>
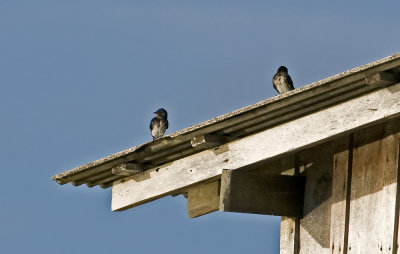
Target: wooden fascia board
<point>294,135</point>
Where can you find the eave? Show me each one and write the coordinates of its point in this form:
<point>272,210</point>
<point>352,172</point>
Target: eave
<point>238,124</point>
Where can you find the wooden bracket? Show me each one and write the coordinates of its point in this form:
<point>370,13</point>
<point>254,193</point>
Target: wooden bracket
<point>209,141</point>
<point>203,199</point>
<point>261,193</point>
<point>128,169</point>
<point>382,79</point>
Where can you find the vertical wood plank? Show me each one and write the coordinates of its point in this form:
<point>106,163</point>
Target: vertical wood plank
<point>397,206</point>
<point>340,185</point>
<point>288,231</point>
<point>325,167</point>
<point>373,189</point>
<point>348,193</point>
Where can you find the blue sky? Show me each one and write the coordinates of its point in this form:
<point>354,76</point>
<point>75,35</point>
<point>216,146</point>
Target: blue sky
<point>80,80</point>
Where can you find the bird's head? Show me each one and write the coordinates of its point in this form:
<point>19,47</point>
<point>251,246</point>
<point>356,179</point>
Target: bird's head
<point>161,113</point>
<point>283,69</point>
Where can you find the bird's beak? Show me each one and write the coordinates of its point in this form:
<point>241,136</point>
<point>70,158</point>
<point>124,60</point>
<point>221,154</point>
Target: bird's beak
<point>155,112</point>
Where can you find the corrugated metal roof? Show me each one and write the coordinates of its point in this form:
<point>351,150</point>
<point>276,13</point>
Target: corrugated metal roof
<point>235,125</point>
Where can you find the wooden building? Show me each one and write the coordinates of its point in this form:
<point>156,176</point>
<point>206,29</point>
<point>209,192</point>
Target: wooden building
<point>325,157</point>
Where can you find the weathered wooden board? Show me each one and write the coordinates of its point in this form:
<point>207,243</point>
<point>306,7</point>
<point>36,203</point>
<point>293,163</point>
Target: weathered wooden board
<point>290,226</point>
<point>288,235</point>
<point>295,135</point>
<point>325,168</point>
<point>396,233</point>
<point>203,199</point>
<point>340,177</point>
<point>371,210</point>
<point>373,189</point>
<point>260,192</point>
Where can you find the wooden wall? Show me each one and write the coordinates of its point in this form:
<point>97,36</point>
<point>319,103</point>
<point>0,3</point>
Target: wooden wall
<point>351,195</point>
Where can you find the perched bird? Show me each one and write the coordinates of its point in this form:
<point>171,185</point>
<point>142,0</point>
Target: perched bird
<point>282,81</point>
<point>159,124</point>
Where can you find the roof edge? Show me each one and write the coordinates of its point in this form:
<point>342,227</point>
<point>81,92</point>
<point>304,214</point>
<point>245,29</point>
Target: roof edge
<point>232,114</point>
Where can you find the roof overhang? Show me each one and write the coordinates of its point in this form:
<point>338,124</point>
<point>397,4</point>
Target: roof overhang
<point>276,126</point>
<point>235,125</point>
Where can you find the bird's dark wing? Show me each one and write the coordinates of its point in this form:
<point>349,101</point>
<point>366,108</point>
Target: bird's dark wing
<point>166,124</point>
<point>289,81</point>
<point>152,122</point>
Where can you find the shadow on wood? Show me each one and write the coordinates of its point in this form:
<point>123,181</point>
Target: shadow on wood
<point>260,192</point>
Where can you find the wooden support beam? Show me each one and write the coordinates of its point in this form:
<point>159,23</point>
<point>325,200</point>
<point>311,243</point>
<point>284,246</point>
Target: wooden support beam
<point>209,141</point>
<point>382,79</point>
<point>260,192</point>
<point>203,199</point>
<point>298,134</point>
<point>128,169</point>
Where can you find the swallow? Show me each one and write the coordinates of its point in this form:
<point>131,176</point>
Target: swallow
<point>282,81</point>
<point>159,124</point>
